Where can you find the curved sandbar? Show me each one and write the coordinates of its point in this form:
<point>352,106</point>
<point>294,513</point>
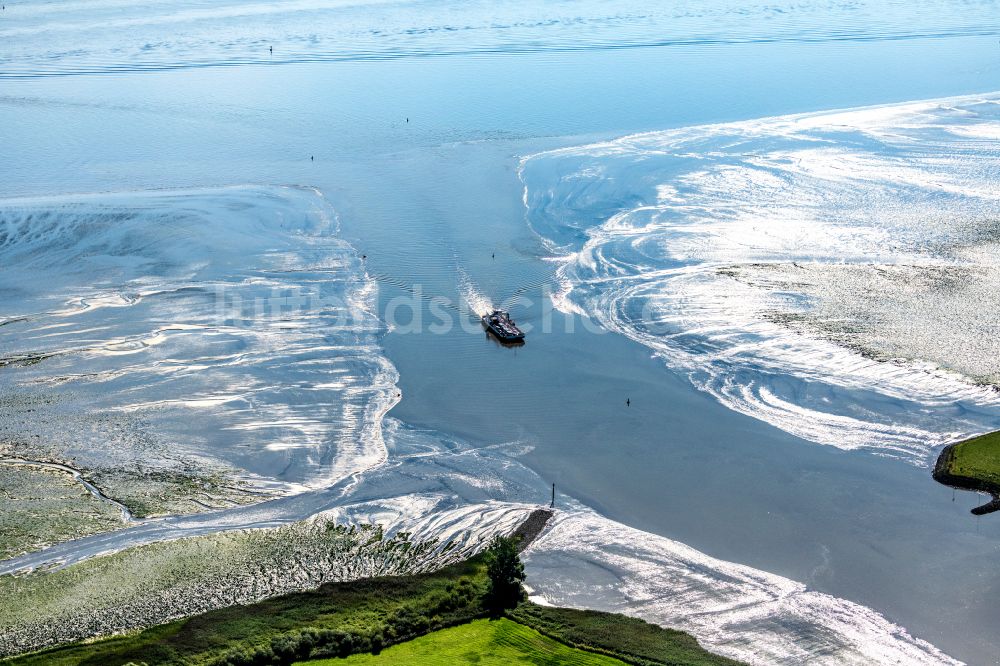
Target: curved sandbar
<point>973,464</point>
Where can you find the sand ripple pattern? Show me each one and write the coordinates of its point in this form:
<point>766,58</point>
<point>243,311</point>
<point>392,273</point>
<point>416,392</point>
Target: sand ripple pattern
<point>232,324</point>
<point>826,273</point>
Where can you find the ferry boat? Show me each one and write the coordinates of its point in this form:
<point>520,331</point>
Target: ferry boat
<point>502,326</point>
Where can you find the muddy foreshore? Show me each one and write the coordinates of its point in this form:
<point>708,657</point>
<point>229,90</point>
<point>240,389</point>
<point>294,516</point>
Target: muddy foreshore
<point>167,580</point>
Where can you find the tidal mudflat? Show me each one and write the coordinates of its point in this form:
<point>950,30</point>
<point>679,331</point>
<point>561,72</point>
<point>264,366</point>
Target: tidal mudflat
<point>44,505</point>
<point>723,247</point>
<point>127,316</point>
<point>159,582</point>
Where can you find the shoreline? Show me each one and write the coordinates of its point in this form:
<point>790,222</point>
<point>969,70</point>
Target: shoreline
<point>342,619</point>
<point>233,569</point>
<point>945,477</point>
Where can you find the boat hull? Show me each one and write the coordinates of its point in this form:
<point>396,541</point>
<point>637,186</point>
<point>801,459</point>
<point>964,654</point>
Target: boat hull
<point>500,334</point>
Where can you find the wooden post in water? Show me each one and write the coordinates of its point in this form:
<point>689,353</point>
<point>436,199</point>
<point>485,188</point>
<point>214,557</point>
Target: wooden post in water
<point>553,504</point>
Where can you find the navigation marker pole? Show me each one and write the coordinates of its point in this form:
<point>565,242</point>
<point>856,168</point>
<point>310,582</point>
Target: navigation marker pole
<point>553,504</point>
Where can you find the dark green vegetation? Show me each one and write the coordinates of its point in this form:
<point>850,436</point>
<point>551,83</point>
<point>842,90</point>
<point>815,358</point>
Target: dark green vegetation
<point>506,573</point>
<point>630,639</point>
<point>365,616</point>
<point>498,642</point>
<point>973,465</point>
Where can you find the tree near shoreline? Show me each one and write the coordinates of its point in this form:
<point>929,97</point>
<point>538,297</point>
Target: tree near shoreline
<point>506,573</point>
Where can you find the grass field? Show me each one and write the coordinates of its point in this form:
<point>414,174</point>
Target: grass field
<point>483,642</point>
<point>631,639</point>
<point>977,458</point>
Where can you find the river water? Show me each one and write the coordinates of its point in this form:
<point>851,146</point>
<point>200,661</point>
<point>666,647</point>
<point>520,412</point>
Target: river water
<point>413,122</point>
